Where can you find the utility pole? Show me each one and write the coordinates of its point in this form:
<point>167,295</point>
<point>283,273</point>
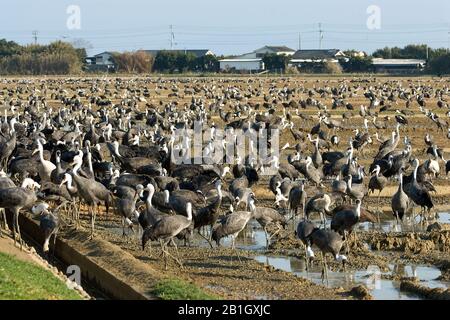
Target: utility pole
<point>172,37</point>
<point>35,34</point>
<point>320,35</point>
<point>448,46</point>
<point>299,41</point>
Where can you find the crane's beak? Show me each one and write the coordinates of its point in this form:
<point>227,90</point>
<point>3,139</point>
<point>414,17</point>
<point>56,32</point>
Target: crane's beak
<point>35,151</point>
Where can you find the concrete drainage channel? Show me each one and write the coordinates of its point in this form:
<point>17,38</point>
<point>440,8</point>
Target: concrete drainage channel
<point>91,256</point>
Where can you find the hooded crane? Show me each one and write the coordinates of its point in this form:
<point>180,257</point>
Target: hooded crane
<point>126,207</point>
<point>418,194</point>
<point>345,218</point>
<point>208,215</point>
<point>49,224</point>
<point>304,230</point>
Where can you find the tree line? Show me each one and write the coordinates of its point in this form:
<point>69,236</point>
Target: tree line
<point>164,61</point>
<point>55,58</point>
<point>63,58</point>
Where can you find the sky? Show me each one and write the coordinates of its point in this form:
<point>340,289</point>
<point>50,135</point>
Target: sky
<point>228,27</point>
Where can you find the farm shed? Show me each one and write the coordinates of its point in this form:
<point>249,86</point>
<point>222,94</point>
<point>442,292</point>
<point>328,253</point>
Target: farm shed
<point>398,65</point>
<point>240,64</point>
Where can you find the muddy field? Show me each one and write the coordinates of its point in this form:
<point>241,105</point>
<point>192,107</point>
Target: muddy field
<point>406,261</point>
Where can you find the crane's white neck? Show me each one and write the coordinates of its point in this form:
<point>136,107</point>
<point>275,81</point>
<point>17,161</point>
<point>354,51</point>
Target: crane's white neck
<point>166,196</point>
<point>189,211</point>
<point>358,209</point>
<point>415,169</point>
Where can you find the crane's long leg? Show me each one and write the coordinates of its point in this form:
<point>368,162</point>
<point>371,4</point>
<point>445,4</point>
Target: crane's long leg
<point>267,238</point>
<point>167,253</point>
<point>323,267</point>
<point>4,223</point>
<point>54,242</point>
<point>92,212</point>
<point>346,241</point>
<point>163,253</point>
<point>306,257</point>
<point>378,206</point>
<point>234,247</point>
<point>204,237</point>
<point>14,229</point>
<point>16,221</point>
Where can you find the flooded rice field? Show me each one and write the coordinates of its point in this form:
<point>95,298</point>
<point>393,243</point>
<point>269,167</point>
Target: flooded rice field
<point>382,280</point>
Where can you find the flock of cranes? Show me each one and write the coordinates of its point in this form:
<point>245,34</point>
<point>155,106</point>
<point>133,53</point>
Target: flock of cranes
<point>103,145</point>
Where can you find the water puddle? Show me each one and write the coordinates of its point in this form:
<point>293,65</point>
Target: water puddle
<point>389,225</point>
<point>381,288</point>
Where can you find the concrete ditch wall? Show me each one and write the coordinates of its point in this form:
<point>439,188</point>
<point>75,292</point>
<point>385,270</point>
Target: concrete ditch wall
<point>113,284</point>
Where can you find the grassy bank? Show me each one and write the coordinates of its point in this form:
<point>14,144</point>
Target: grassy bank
<point>175,289</point>
<point>21,280</point>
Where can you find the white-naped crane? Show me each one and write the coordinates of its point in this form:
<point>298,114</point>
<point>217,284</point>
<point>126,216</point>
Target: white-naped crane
<point>45,167</point>
<point>400,201</point>
<point>233,224</point>
<point>355,191</point>
<point>320,203</point>
<point>165,229</point>
<point>90,191</point>
<point>269,217</point>
<point>16,199</point>
<point>377,182</point>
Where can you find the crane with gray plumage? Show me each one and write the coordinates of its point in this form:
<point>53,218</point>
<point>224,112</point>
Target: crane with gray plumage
<point>165,229</point>
<point>400,201</point>
<point>345,218</point>
<point>233,224</point>
<point>16,199</point>
<point>269,217</point>
<point>328,241</point>
<point>320,203</point>
<point>297,199</point>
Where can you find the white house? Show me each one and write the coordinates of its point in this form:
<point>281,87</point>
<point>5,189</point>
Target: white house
<point>104,58</point>
<point>196,52</point>
<point>331,55</point>
<point>273,50</point>
<point>259,53</point>
<point>241,64</point>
